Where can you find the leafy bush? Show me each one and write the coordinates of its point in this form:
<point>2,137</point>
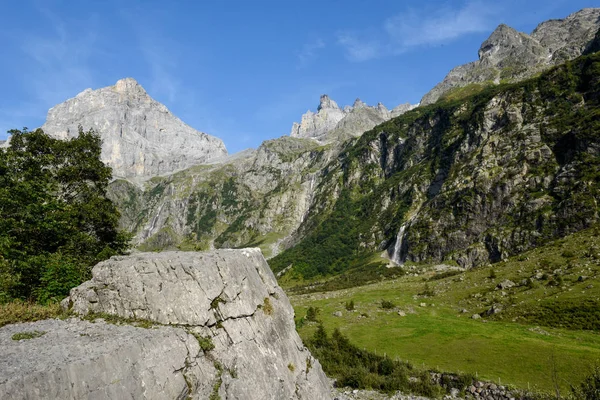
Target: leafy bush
<point>55,219</point>
<point>589,389</point>
<point>311,314</point>
<point>360,369</point>
<point>350,305</point>
<point>387,305</point>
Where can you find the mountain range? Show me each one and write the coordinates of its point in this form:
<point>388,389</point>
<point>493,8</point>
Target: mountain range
<point>498,158</point>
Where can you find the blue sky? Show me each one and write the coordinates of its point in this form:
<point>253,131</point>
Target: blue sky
<point>244,70</point>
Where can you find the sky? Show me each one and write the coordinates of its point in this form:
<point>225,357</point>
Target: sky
<point>244,70</point>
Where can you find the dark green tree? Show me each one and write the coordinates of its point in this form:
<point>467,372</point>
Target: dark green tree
<point>55,219</point>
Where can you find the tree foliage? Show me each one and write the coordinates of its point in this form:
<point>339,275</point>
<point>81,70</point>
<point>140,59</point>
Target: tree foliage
<point>55,219</point>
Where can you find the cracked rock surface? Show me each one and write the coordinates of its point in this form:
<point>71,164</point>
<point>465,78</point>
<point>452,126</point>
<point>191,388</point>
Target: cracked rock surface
<point>223,326</point>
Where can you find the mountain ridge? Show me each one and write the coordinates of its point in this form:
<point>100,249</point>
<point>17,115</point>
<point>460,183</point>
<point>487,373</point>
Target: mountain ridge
<point>509,56</point>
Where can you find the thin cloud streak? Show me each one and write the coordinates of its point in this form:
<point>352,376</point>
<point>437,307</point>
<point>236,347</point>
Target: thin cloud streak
<point>412,28</point>
<point>357,49</point>
<point>309,53</point>
<point>57,65</point>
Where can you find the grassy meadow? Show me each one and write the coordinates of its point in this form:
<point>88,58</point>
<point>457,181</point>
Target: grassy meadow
<point>546,332</point>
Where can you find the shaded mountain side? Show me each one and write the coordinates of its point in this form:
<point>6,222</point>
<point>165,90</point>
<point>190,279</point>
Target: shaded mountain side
<point>471,181</point>
<point>259,199</point>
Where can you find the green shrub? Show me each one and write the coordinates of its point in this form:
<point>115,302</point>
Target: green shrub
<point>312,313</point>
<point>350,305</point>
<point>589,389</point>
<point>387,305</point>
<point>360,369</point>
<point>427,291</point>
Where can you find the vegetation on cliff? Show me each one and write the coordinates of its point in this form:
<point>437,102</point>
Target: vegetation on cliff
<point>475,180</point>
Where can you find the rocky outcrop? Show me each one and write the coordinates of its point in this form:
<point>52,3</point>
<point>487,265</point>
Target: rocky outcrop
<point>331,123</point>
<point>141,138</point>
<point>509,56</point>
<point>316,125</point>
<point>222,328</point>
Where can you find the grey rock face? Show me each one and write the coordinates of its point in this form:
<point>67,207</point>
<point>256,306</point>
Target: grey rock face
<point>141,138</point>
<point>508,55</point>
<point>331,123</point>
<point>315,125</point>
<point>227,298</point>
<point>77,359</point>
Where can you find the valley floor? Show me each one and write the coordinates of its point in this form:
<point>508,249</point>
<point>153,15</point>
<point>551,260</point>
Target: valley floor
<point>544,334</point>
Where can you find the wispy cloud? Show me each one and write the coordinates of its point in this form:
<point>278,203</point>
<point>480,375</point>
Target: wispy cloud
<point>309,52</point>
<point>161,62</point>
<point>424,27</point>
<point>358,49</point>
<point>56,65</point>
<point>160,53</point>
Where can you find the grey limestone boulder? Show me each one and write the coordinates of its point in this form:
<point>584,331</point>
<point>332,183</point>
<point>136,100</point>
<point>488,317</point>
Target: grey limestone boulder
<point>222,326</point>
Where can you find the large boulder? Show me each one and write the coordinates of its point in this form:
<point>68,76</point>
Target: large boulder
<point>222,326</point>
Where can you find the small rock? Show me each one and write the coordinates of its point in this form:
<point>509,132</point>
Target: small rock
<point>401,313</point>
<point>496,308</point>
<point>464,311</point>
<point>337,314</point>
<point>454,392</point>
<point>475,316</point>
<point>423,305</point>
<point>506,284</point>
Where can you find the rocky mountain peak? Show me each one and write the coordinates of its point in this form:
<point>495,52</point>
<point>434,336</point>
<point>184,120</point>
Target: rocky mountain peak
<point>504,37</point>
<point>330,122</point>
<point>141,137</point>
<point>325,102</point>
<point>128,85</point>
<point>358,103</point>
<point>510,56</point>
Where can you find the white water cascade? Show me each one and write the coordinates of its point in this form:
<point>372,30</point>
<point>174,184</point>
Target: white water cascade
<point>397,254</point>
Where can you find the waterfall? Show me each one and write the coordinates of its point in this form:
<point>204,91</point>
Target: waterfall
<point>154,221</point>
<point>397,254</point>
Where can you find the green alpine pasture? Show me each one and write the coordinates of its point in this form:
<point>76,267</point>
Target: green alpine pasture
<point>431,324</point>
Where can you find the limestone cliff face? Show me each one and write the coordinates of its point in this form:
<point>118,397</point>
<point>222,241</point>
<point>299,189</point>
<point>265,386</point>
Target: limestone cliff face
<point>331,123</point>
<point>141,138</point>
<point>509,56</point>
<point>223,327</point>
